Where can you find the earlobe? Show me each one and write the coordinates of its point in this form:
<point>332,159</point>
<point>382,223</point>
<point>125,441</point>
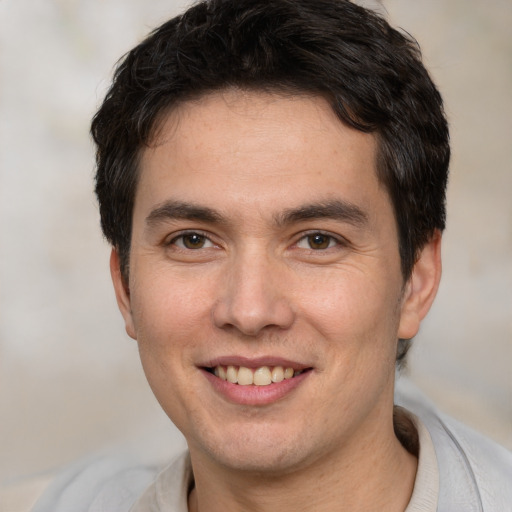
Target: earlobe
<point>421,288</point>
<point>122,293</point>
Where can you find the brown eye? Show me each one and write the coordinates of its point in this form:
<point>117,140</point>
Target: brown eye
<point>317,242</point>
<point>192,241</point>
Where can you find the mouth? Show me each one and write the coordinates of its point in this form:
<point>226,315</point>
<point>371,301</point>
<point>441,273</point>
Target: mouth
<point>260,376</point>
<point>256,381</point>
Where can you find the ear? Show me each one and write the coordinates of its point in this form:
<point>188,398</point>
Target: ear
<point>122,293</point>
<point>421,288</point>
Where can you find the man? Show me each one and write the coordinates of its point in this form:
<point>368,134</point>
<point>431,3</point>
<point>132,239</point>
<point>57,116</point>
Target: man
<point>271,177</point>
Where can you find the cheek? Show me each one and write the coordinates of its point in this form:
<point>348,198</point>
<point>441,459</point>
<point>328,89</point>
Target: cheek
<point>353,303</point>
<point>169,321</point>
<point>357,321</point>
<point>168,308</point>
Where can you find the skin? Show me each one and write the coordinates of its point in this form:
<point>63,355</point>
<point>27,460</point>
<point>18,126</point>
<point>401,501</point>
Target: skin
<point>256,283</point>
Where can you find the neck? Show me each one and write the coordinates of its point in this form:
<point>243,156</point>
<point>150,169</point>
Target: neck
<point>363,476</point>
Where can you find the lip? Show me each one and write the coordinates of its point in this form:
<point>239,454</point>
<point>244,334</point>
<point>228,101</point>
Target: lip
<point>254,362</point>
<point>255,395</point>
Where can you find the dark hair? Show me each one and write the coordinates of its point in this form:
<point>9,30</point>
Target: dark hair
<point>370,73</point>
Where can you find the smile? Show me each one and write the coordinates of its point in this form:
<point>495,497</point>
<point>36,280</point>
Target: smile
<point>255,381</point>
<point>262,376</point>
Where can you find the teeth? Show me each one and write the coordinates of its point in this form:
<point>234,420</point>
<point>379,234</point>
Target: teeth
<point>220,372</point>
<point>232,374</point>
<point>288,373</point>
<point>245,376</point>
<point>262,376</point>
<point>277,374</point>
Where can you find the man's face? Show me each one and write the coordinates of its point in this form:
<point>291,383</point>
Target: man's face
<point>262,239</point>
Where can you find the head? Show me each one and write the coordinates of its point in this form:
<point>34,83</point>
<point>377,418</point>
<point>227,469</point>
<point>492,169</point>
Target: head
<point>246,72</point>
<point>370,74</point>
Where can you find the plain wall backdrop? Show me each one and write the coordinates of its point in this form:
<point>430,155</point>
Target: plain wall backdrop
<point>70,378</point>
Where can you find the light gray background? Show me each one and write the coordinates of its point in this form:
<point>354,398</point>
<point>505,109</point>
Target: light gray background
<point>70,380</point>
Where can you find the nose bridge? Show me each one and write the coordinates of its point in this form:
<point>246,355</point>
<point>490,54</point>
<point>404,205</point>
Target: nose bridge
<point>253,295</point>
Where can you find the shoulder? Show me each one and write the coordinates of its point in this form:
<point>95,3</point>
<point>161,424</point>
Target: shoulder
<point>474,471</point>
<point>99,485</point>
<point>489,465</point>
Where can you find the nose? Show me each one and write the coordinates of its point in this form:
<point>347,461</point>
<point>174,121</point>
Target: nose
<point>253,296</point>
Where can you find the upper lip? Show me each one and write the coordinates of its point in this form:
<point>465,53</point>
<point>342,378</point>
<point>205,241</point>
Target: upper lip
<point>255,362</point>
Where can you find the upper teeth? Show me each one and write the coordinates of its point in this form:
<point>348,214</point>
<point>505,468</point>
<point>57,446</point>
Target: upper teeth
<point>262,376</point>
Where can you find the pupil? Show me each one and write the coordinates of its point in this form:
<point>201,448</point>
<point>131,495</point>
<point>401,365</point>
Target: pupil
<point>318,241</point>
<point>194,241</point>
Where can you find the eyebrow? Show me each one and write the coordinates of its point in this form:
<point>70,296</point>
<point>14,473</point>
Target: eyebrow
<point>335,209</point>
<point>181,210</point>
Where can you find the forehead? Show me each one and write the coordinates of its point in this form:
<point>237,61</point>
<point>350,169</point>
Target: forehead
<point>255,146</point>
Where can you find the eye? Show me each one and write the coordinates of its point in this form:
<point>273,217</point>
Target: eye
<point>192,241</point>
<point>317,241</point>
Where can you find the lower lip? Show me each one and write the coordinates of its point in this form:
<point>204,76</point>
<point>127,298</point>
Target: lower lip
<point>255,395</point>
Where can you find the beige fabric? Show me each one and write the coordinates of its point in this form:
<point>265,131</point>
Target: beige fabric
<point>426,486</point>
<point>169,492</point>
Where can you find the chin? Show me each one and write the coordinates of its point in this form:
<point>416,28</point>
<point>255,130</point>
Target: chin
<point>257,449</point>
<point>254,460</point>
